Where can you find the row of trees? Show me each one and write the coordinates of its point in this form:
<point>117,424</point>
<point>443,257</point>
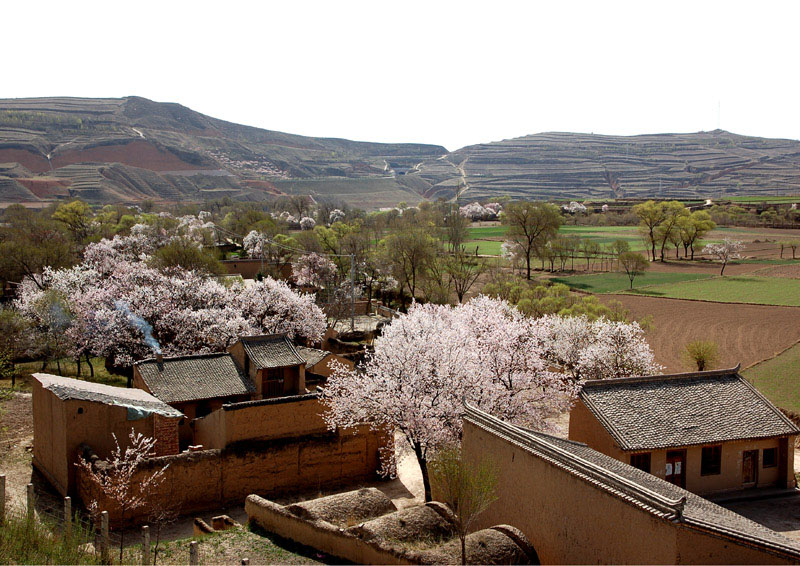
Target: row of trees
<point>664,223</point>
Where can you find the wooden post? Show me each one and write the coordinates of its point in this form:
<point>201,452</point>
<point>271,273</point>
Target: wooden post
<point>193,561</point>
<point>30,496</point>
<point>145,545</point>
<point>2,497</point>
<point>104,542</point>
<point>67,517</point>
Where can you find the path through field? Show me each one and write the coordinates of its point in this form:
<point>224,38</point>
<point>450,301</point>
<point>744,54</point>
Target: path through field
<point>745,334</point>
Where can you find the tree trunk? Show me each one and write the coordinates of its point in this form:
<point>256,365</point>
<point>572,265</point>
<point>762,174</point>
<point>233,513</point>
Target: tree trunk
<point>78,363</point>
<point>89,363</point>
<point>528,264</point>
<point>423,468</point>
<point>463,549</point>
<point>721,271</point>
<point>58,365</point>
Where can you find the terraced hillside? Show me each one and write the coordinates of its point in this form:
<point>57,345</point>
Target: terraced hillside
<point>130,149</point>
<point>581,166</point>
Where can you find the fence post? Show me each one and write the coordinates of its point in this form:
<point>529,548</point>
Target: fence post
<point>2,497</point>
<point>30,496</point>
<point>145,545</point>
<point>68,517</point>
<point>193,561</point>
<point>104,542</point>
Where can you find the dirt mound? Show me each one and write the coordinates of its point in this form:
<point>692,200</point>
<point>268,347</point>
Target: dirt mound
<point>418,523</point>
<point>345,509</point>
<point>497,545</point>
<point>745,334</point>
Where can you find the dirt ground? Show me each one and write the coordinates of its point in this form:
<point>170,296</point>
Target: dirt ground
<point>779,514</point>
<point>745,334</point>
<point>791,271</point>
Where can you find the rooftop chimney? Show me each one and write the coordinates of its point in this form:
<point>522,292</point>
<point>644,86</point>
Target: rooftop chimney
<point>160,360</point>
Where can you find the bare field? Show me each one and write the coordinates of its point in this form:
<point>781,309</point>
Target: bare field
<point>783,271</point>
<point>745,334</point>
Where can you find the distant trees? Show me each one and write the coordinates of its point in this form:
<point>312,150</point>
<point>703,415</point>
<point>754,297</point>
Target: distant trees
<point>650,214</point>
<point>693,229</point>
<point>701,353</point>
<point>531,226</point>
<point>724,252</point>
<point>634,264</point>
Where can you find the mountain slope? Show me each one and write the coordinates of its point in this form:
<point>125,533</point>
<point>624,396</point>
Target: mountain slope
<point>116,150</point>
<point>580,166</point>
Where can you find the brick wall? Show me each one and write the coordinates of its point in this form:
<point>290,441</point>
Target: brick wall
<point>165,431</point>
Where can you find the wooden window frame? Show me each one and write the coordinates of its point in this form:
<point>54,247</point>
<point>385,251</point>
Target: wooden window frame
<point>643,455</point>
<point>774,452</point>
<point>716,467</point>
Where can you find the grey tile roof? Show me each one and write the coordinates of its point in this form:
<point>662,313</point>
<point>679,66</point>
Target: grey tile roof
<point>194,378</point>
<point>271,351</point>
<point>66,388</point>
<point>644,413</point>
<point>646,491</point>
<point>311,355</point>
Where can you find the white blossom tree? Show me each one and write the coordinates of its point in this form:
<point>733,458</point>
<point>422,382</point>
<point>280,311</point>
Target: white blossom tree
<point>725,251</point>
<point>314,270</point>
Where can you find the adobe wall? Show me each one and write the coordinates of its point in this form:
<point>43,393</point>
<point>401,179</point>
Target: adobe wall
<point>584,427</point>
<point>322,368</point>
<point>60,427</point>
<point>210,478</point>
<point>569,520</point>
<point>249,268</point>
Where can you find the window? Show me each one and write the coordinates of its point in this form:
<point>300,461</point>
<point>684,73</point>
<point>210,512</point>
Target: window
<point>769,457</point>
<point>641,461</point>
<point>711,462</point>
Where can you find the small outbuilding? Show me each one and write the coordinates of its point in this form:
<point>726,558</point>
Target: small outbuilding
<point>318,365</point>
<point>708,432</point>
<point>68,412</point>
<point>272,363</point>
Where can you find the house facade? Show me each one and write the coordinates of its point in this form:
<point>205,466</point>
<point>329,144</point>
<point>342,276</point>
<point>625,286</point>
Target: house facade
<point>708,432</point>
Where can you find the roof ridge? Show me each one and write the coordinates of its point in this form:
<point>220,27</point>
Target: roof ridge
<point>256,337</point>
<point>662,377</point>
<point>184,357</point>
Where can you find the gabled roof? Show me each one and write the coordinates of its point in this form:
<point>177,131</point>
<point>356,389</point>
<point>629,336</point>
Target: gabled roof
<point>271,351</point>
<point>648,492</point>
<point>312,356</point>
<point>194,378</point>
<point>66,388</point>
<point>662,411</point>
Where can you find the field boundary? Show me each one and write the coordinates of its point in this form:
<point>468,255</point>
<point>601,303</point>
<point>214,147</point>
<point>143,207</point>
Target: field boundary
<point>773,356</point>
<point>700,300</point>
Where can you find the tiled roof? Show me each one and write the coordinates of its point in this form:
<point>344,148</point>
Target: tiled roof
<point>311,355</point>
<point>646,491</point>
<point>193,378</point>
<point>644,413</point>
<point>66,388</point>
<point>271,351</point>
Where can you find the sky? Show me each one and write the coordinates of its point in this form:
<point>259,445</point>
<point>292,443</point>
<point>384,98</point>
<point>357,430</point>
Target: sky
<point>446,73</point>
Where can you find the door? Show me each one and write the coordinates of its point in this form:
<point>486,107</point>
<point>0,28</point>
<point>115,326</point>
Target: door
<point>676,467</point>
<point>749,468</point>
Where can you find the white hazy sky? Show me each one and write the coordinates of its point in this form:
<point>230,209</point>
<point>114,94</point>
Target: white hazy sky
<point>449,73</point>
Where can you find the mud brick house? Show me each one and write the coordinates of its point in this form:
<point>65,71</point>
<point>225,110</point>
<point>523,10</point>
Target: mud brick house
<point>68,412</point>
<point>318,368</point>
<point>708,432</point>
<point>272,364</point>
<point>568,500</point>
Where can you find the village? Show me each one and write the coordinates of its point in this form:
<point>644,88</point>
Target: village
<point>329,402</point>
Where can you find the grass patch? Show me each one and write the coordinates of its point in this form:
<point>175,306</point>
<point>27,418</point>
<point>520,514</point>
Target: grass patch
<point>30,541</point>
<point>778,378</point>
<point>616,282</point>
<point>487,232</point>
<point>740,289</point>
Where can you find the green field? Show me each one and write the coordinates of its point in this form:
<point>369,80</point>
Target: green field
<point>485,247</point>
<point>779,378</point>
<point>758,200</point>
<point>616,282</point>
<point>739,289</point>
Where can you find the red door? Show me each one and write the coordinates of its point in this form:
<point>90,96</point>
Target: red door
<point>676,467</point>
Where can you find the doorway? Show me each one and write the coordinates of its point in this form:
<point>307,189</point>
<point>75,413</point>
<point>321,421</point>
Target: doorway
<point>749,468</point>
<point>675,472</point>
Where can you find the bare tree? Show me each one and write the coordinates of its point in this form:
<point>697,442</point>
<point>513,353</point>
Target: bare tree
<point>466,488</point>
<point>634,264</point>
<point>119,481</point>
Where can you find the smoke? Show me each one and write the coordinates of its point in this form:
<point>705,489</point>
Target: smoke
<point>140,323</point>
<point>59,319</point>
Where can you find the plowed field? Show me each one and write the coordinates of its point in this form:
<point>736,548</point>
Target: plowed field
<point>745,334</point>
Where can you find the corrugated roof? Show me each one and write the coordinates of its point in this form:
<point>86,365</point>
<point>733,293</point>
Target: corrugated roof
<point>194,378</point>
<point>646,491</point>
<point>311,355</point>
<point>271,351</point>
<point>644,413</point>
<point>67,388</point>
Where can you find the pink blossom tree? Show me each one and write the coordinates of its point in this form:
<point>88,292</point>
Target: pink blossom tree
<point>314,270</point>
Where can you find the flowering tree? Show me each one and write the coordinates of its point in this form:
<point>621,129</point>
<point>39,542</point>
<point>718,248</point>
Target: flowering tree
<point>336,215</point>
<point>476,211</point>
<point>314,270</point>
<point>123,309</point>
<point>428,363</point>
<point>307,223</point>
<point>725,252</point>
<point>119,482</point>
